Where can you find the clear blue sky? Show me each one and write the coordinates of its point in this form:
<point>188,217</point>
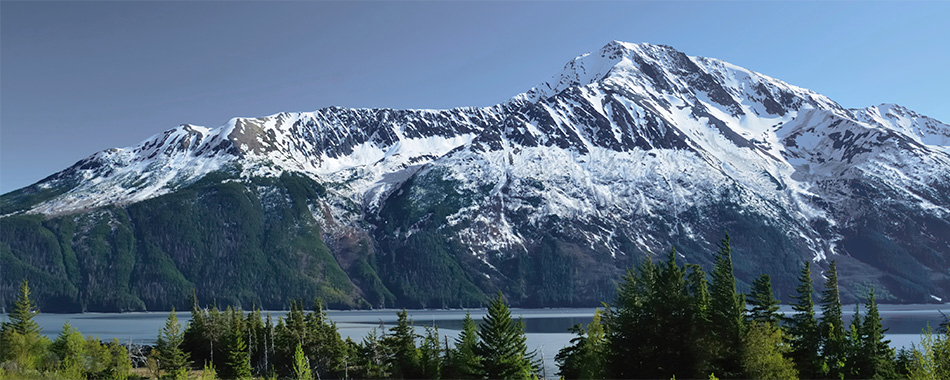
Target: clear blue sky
<point>79,77</point>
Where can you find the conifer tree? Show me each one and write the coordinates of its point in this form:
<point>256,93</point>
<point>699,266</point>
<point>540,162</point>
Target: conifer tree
<point>301,365</point>
<point>464,362</point>
<point>20,339</point>
<point>171,360</point>
<point>238,365</point>
<point>502,345</point>
<point>402,344</point>
<point>834,340</point>
<point>726,313</point>
<point>68,348</point>
<point>803,328</point>
<point>21,317</point>
<point>430,355</point>
<point>876,352</point>
<point>764,305</point>
<point>763,353</point>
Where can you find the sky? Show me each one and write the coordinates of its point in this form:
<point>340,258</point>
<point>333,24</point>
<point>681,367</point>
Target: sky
<point>80,77</point>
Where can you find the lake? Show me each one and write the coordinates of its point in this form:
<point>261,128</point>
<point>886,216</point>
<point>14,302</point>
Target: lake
<point>546,328</point>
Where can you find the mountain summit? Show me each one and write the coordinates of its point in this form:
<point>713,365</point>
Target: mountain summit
<point>547,197</point>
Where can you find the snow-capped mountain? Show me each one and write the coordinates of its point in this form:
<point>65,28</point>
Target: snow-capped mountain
<point>552,194</point>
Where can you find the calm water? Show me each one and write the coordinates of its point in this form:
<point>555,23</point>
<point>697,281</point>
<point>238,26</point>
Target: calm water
<point>546,328</point>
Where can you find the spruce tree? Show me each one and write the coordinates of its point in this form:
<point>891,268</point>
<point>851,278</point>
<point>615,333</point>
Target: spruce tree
<point>502,345</point>
<point>764,305</point>
<point>401,343</point>
<point>876,351</point>
<point>465,361</point>
<point>21,317</point>
<point>763,353</point>
<point>171,360</point>
<point>238,365</point>
<point>430,355</point>
<point>301,365</point>
<point>834,340</point>
<point>68,348</point>
<point>803,328</point>
<point>726,314</point>
<point>20,339</point>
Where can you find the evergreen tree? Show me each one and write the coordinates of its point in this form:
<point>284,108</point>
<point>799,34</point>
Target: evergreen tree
<point>585,357</point>
<point>21,345</point>
<point>701,329</point>
<point>464,362</point>
<point>372,362</point>
<point>726,314</point>
<point>853,362</point>
<point>301,365</point>
<point>430,355</point>
<point>834,340</point>
<point>238,365</point>
<point>171,359</point>
<point>121,366</point>
<point>502,345</point>
<point>803,328</point>
<point>625,324</point>
<point>569,358</point>
<point>763,353</point>
<point>876,352</point>
<point>68,348</point>
<point>401,343</point>
<point>21,317</point>
<point>764,305</point>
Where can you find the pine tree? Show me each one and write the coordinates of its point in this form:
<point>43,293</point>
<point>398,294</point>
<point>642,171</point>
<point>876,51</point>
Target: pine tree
<point>464,362</point>
<point>301,365</point>
<point>402,344</point>
<point>803,328</point>
<point>68,348</point>
<point>171,360</point>
<point>430,355</point>
<point>834,340</point>
<point>238,365</point>
<point>20,339</point>
<point>876,352</point>
<point>763,353</point>
<point>764,305</point>
<point>726,314</point>
<point>21,317</point>
<point>502,345</point>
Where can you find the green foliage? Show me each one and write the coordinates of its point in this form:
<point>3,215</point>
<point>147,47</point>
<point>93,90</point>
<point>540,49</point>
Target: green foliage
<point>764,305</point>
<point>834,340</point>
<point>803,328</point>
<point>21,317</point>
<point>430,355</point>
<point>874,358</point>
<point>301,364</point>
<point>727,310</point>
<point>69,349</point>
<point>404,357</point>
<point>585,357</point>
<point>22,348</point>
<point>172,361</point>
<point>463,361</point>
<point>501,346</point>
<point>763,353</point>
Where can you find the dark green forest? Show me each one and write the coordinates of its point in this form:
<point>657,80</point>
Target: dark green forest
<point>667,321</point>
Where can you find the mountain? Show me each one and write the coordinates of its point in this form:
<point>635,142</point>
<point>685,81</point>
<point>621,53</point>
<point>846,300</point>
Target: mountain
<point>548,197</point>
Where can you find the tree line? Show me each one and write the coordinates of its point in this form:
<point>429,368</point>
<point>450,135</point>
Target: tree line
<point>667,321</point>
<point>670,321</point>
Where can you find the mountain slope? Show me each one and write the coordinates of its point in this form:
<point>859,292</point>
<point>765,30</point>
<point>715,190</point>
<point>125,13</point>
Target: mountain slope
<point>547,197</point>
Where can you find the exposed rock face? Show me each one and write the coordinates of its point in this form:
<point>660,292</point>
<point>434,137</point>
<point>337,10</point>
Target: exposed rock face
<point>548,197</point>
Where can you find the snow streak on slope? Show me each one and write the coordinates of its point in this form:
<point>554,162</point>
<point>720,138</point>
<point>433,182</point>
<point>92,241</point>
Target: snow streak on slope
<point>631,133</point>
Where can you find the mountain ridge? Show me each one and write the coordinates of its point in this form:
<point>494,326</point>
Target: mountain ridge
<point>628,150</point>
